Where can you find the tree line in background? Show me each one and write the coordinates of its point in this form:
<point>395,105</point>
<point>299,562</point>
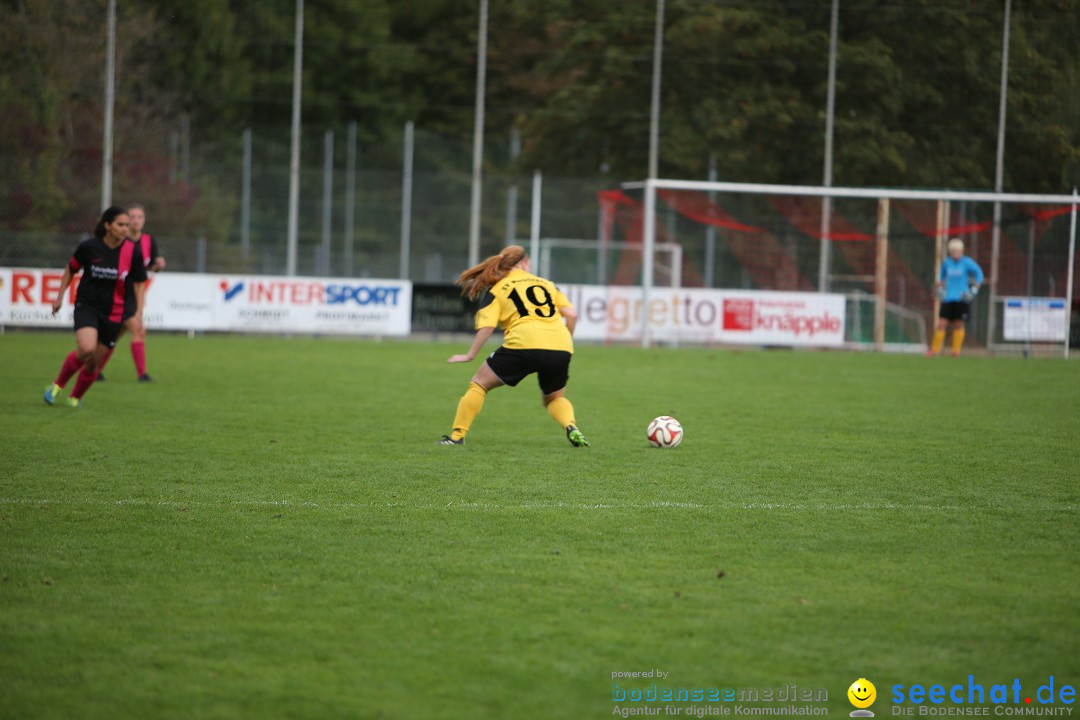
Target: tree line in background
<point>744,82</point>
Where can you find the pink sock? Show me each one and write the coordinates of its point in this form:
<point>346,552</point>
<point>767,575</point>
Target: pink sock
<point>70,367</point>
<point>105,359</point>
<point>83,384</point>
<point>138,352</point>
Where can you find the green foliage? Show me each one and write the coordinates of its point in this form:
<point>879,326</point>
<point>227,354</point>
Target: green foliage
<point>439,83</point>
<point>269,531</point>
<point>917,91</point>
<point>44,53</point>
<point>198,52</point>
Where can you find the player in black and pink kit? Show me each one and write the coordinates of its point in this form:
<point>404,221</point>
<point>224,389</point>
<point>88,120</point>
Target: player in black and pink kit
<point>113,280</point>
<point>155,262</point>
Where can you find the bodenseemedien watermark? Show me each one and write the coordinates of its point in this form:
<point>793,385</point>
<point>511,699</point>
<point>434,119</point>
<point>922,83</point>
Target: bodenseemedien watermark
<point>669,699</point>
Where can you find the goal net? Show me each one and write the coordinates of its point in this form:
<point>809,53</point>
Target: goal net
<point>875,251</point>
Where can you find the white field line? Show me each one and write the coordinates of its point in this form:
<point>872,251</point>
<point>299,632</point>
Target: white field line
<point>455,504</point>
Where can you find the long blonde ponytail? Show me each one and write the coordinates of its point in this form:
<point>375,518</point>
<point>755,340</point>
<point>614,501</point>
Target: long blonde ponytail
<point>480,278</point>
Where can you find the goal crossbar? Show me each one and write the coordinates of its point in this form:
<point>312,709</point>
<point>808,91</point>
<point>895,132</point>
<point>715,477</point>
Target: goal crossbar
<point>846,192</point>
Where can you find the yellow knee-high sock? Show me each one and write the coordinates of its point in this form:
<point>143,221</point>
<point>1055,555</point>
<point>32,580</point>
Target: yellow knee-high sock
<point>939,341</point>
<point>562,412</point>
<point>470,405</point>
<point>957,340</point>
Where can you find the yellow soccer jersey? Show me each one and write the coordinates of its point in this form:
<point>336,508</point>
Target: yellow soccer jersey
<point>527,308</point>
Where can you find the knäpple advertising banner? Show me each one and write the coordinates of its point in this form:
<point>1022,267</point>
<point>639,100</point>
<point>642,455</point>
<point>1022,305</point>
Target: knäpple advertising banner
<point>232,303</point>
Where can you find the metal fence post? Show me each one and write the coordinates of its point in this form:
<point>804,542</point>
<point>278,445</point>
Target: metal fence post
<point>328,200</point>
<point>245,200</point>
<point>512,191</point>
<point>350,198</point>
<point>1069,276</point>
<point>406,203</point>
<point>710,230</point>
<point>534,225</point>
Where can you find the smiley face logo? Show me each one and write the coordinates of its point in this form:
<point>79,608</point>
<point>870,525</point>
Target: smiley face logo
<point>862,693</point>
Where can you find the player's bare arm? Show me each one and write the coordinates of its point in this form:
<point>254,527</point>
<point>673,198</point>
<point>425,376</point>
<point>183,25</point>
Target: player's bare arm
<point>65,283</point>
<point>482,336</point>
<point>140,295</point>
<point>571,316</point>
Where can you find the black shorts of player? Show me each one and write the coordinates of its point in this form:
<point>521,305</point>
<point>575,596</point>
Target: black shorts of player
<point>108,332</point>
<point>956,310</point>
<point>552,367</point>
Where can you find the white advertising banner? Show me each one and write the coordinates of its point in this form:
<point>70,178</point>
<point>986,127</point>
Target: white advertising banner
<point>320,305</point>
<point>234,303</point>
<point>742,317</point>
<point>1035,319</point>
<point>181,301</point>
<point>27,295</point>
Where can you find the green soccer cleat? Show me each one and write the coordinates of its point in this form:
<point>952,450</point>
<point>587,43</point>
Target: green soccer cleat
<point>51,393</point>
<point>447,440</point>
<point>73,403</point>
<point>575,437</point>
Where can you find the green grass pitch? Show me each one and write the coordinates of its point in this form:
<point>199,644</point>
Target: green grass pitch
<point>269,531</point>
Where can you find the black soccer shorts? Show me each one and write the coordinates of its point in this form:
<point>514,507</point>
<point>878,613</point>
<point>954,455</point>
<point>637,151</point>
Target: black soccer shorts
<point>108,332</point>
<point>955,310</point>
<point>552,367</point>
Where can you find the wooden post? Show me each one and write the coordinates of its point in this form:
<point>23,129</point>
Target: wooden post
<point>881,272</point>
<point>941,233</point>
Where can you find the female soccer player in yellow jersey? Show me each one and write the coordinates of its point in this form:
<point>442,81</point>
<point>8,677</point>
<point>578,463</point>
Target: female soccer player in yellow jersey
<point>530,310</point>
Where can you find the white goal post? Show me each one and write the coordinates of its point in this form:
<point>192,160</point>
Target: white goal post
<point>650,188</point>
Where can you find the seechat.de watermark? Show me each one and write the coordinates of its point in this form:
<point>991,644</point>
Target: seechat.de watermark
<point>975,697</point>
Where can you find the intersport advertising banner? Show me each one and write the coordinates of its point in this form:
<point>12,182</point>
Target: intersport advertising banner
<point>319,305</point>
<point>741,317</point>
<point>233,303</point>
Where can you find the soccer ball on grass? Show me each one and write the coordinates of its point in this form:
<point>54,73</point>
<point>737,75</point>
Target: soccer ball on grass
<point>665,432</point>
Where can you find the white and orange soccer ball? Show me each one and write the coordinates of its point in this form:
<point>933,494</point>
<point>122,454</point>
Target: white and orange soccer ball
<point>665,432</point>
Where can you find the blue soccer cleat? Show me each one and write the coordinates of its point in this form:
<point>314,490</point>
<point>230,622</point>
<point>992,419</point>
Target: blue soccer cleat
<point>51,393</point>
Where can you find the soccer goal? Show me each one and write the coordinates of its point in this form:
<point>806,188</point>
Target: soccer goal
<point>876,251</point>
<point>606,262</point>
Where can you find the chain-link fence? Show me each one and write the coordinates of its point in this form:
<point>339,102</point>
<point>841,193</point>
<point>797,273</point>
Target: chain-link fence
<point>366,211</point>
<point>223,207</point>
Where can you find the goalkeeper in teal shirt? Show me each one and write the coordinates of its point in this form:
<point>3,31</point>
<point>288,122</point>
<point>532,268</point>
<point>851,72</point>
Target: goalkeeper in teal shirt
<point>958,284</point>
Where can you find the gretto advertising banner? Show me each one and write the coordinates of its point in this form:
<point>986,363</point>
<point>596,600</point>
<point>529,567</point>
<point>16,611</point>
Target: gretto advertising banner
<point>709,316</point>
<point>233,303</point>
